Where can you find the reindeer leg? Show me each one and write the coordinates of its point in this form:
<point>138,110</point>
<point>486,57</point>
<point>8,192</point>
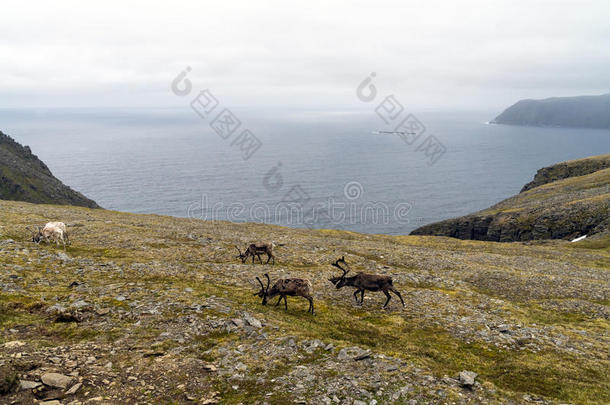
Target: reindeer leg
<point>395,291</point>
<point>387,294</point>
<point>273,257</point>
<point>278,301</point>
<point>362,297</point>
<point>356,295</point>
<point>285,303</point>
<point>259,258</point>
<point>310,299</point>
<point>268,258</point>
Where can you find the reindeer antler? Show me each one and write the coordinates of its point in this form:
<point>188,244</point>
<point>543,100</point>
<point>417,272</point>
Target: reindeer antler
<point>268,282</point>
<point>262,286</point>
<point>338,265</point>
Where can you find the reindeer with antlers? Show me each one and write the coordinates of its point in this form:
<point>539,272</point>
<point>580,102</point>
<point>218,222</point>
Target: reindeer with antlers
<point>294,287</point>
<point>363,281</point>
<point>255,250</point>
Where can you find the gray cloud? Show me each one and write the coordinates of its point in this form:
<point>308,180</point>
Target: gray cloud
<point>311,54</point>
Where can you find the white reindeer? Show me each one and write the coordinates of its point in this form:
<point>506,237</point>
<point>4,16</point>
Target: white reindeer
<point>52,231</point>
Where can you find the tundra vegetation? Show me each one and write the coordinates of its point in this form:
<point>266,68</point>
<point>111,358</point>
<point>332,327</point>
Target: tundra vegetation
<point>153,309</point>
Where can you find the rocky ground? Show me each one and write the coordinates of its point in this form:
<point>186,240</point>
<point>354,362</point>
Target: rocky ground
<point>150,309</point>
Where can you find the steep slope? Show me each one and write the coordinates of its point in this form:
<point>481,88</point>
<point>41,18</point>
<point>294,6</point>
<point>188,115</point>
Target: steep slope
<point>578,112</point>
<point>565,208</point>
<point>24,177</point>
<point>571,168</point>
<point>152,309</point>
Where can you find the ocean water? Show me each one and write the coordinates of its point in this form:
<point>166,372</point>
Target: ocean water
<point>312,169</point>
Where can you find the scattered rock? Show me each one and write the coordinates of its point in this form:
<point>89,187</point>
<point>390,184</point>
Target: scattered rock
<point>74,389</point>
<point>238,322</point>
<point>56,309</point>
<point>56,380</point>
<point>363,356</point>
<point>80,304</point>
<point>252,321</point>
<point>14,344</point>
<point>354,353</point>
<point>467,378</point>
<point>28,385</point>
<point>103,311</point>
<point>64,257</point>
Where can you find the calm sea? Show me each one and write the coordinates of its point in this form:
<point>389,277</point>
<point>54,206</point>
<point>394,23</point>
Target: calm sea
<point>312,169</point>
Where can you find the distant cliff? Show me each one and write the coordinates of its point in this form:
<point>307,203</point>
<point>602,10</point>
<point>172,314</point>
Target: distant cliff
<point>24,177</point>
<point>576,112</point>
<point>566,200</point>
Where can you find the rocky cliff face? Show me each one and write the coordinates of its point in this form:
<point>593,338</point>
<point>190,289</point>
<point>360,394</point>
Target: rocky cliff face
<point>572,168</point>
<point>561,202</point>
<point>578,112</point>
<point>24,177</point>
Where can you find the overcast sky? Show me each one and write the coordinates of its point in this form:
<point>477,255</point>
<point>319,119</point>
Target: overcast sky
<point>430,54</point>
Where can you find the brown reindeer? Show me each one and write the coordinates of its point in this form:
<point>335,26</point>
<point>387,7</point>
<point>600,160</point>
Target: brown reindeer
<point>256,249</point>
<point>363,281</point>
<point>294,287</point>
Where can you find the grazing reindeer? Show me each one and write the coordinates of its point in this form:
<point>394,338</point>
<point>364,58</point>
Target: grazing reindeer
<point>294,287</point>
<point>362,281</point>
<point>256,249</point>
<point>52,230</point>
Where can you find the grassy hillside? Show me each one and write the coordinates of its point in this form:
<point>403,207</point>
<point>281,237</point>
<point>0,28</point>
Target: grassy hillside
<point>24,177</point>
<point>562,203</point>
<point>153,309</point>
